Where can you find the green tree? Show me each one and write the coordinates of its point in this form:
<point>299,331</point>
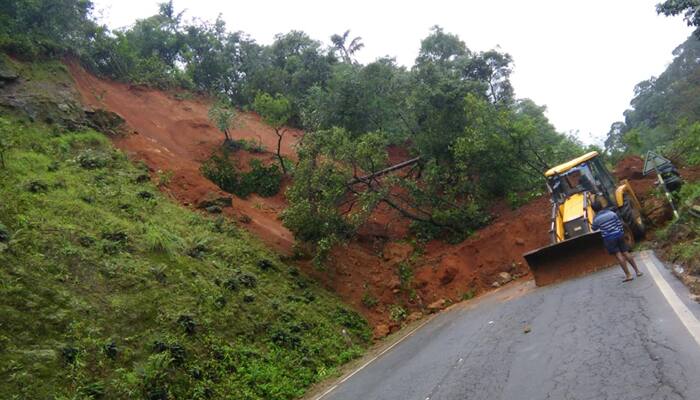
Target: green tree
<point>441,48</point>
<point>325,206</point>
<point>276,112</point>
<point>222,116</point>
<point>689,8</point>
<point>362,99</point>
<point>347,51</point>
<point>46,27</point>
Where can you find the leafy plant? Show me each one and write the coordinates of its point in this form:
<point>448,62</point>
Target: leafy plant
<point>222,116</point>
<point>261,179</point>
<point>276,112</point>
<point>369,301</point>
<point>397,313</point>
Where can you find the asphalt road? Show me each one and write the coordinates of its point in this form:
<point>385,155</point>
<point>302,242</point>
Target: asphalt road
<point>591,338</point>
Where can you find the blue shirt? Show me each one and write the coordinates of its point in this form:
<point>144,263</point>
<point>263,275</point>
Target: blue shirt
<point>609,224</point>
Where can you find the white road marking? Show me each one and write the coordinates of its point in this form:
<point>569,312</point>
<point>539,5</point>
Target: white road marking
<point>332,388</point>
<point>687,318</point>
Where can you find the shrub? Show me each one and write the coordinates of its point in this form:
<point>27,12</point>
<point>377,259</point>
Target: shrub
<point>219,169</point>
<point>469,294</point>
<point>397,313</point>
<point>90,159</point>
<point>263,180</point>
<point>4,234</point>
<point>369,301</point>
<point>405,274</point>
<point>517,200</point>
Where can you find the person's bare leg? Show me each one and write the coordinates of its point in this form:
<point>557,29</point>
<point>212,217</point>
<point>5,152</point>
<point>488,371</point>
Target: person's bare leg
<point>629,258</point>
<point>623,264</point>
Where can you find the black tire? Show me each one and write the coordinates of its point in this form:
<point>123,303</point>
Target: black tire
<point>629,236</point>
<point>637,224</point>
<point>633,218</point>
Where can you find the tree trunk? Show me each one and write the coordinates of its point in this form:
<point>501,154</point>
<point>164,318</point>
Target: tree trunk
<point>280,134</point>
<point>384,171</point>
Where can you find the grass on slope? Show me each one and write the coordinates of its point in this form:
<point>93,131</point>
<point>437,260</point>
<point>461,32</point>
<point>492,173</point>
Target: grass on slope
<point>680,240</point>
<point>110,290</point>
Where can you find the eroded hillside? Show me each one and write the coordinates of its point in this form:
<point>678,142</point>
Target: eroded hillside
<point>381,272</point>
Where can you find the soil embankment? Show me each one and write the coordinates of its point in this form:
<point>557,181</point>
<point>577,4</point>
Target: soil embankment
<point>175,136</point>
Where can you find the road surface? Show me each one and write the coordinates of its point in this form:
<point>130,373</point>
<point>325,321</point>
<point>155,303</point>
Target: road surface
<point>590,338</point>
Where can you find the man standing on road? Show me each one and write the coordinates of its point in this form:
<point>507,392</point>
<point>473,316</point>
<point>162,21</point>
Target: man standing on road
<point>610,226</point>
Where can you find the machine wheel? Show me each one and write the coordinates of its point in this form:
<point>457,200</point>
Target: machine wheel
<point>633,218</point>
<point>637,224</point>
<point>629,236</point>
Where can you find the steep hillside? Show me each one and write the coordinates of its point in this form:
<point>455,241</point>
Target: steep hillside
<point>174,136</point>
<point>110,290</point>
<point>381,272</point>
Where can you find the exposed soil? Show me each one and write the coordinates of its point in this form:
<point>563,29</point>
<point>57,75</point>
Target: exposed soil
<point>174,134</point>
<point>171,134</point>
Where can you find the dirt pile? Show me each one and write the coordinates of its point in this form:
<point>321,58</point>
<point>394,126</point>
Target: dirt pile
<point>655,208</point>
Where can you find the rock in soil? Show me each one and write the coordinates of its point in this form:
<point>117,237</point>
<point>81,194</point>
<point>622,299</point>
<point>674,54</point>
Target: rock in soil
<point>448,276</point>
<point>381,331</point>
<point>504,277</point>
<point>212,199</point>
<point>397,252</point>
<point>414,316</point>
<point>437,305</point>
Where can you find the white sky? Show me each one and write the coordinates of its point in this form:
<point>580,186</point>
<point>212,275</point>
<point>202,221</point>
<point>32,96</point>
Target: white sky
<point>579,58</point>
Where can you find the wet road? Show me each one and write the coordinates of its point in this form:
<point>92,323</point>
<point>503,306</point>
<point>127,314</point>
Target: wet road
<point>590,338</point>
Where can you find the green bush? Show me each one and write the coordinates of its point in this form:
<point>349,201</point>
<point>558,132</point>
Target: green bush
<point>397,313</point>
<point>261,179</point>
<point>517,200</point>
<point>369,301</point>
<point>220,170</point>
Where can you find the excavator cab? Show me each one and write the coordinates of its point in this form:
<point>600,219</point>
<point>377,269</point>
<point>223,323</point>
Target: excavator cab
<point>575,248</point>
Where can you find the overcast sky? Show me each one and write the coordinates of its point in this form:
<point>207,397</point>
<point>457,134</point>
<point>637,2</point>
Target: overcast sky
<point>579,58</point>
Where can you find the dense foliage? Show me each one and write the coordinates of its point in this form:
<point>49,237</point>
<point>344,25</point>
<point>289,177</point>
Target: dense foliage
<point>454,110</point>
<point>262,179</point>
<point>689,8</point>
<point>665,113</point>
<point>110,290</point>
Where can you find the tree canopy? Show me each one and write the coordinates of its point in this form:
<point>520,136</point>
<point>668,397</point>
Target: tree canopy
<point>665,110</point>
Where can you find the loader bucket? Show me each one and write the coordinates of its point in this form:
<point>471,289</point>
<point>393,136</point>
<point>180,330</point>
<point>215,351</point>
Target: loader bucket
<point>567,259</point>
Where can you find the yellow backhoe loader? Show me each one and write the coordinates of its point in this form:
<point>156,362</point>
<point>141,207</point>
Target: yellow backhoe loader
<point>576,249</point>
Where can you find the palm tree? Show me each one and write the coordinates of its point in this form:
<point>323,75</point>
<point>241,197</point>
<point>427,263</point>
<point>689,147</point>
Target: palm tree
<point>352,48</point>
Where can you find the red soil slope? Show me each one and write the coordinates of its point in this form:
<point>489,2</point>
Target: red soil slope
<point>175,135</point>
